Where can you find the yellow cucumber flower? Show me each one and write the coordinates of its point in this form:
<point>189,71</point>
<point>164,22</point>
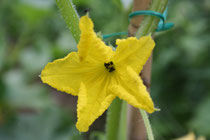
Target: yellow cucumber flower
<point>191,136</point>
<point>97,74</point>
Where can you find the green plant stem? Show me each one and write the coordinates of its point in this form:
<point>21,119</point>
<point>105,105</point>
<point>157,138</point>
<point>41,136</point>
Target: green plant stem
<point>147,124</point>
<point>122,134</point>
<point>70,16</point>
<point>148,26</point>
<point>114,132</point>
<point>113,120</point>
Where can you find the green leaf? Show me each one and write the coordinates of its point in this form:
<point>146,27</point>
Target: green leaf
<point>43,125</point>
<point>33,11</point>
<point>66,43</point>
<point>3,48</point>
<point>21,94</point>
<point>200,122</point>
<point>35,57</point>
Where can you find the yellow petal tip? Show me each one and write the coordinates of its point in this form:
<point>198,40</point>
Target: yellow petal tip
<point>85,23</point>
<point>81,127</point>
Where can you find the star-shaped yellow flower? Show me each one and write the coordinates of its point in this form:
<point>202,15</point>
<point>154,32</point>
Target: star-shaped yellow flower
<point>97,74</point>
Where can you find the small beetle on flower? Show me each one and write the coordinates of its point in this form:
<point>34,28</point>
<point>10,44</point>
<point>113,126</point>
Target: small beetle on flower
<point>97,74</point>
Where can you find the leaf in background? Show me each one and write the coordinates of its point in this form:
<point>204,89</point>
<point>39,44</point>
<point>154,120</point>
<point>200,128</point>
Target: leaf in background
<point>95,135</point>
<point>126,4</point>
<point>3,48</point>
<point>200,121</point>
<point>21,94</point>
<point>66,43</point>
<point>40,4</point>
<point>193,46</point>
<point>181,13</point>
<point>34,10</point>
<point>34,58</point>
<point>206,4</point>
<point>42,125</point>
<point>118,3</point>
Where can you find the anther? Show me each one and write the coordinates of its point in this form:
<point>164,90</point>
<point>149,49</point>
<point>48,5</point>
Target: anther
<point>106,65</point>
<point>109,66</point>
<point>111,69</point>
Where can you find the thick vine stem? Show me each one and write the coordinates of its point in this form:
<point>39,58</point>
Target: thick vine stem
<point>149,24</point>
<point>70,16</point>
<point>113,120</point>
<point>122,135</point>
<point>146,26</point>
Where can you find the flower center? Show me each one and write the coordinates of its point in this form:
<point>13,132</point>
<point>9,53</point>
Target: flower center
<point>109,66</point>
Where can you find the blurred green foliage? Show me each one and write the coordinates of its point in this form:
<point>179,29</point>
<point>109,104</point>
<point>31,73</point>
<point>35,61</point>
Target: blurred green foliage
<point>181,72</point>
<point>33,33</point>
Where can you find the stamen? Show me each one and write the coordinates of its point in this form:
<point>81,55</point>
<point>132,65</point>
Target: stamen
<point>109,66</point>
<point>111,69</point>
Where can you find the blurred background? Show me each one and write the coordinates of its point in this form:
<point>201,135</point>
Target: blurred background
<point>33,33</point>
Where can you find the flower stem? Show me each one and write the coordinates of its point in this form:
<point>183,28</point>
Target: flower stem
<point>147,124</point>
<point>70,16</point>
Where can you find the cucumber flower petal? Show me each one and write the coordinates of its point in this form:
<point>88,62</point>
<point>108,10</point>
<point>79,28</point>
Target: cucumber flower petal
<point>90,46</point>
<point>97,74</point>
<point>134,52</point>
